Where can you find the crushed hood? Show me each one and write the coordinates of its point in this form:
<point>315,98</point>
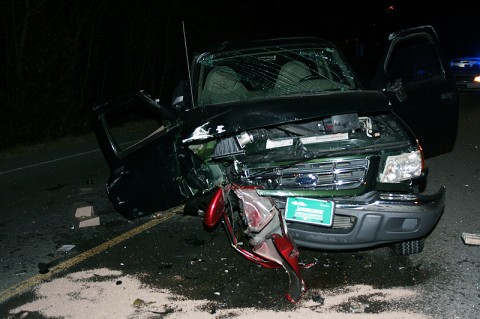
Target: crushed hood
<point>220,120</point>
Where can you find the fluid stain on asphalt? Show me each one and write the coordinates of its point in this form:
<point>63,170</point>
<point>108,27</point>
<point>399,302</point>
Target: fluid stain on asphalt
<point>194,241</point>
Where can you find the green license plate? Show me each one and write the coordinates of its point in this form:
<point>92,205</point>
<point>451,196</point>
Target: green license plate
<point>311,211</point>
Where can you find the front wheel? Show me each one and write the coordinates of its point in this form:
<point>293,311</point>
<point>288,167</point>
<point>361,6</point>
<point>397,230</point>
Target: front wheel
<point>410,247</point>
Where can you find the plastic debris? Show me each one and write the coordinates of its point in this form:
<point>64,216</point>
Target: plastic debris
<point>66,248</point>
<point>85,217</point>
<point>471,239</point>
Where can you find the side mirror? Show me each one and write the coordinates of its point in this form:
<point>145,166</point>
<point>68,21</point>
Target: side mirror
<point>397,88</point>
<point>178,102</point>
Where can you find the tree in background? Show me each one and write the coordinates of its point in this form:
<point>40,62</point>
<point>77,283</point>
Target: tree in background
<point>62,57</point>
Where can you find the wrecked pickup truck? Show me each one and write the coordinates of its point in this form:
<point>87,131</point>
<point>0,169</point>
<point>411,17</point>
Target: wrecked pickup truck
<point>279,142</point>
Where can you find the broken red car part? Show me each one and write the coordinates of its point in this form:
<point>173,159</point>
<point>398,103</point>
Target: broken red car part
<point>216,209</point>
<point>271,245</point>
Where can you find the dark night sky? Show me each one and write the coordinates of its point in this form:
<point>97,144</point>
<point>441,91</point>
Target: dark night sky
<point>455,24</point>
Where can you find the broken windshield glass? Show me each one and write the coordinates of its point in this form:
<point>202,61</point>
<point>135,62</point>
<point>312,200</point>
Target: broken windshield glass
<point>272,72</point>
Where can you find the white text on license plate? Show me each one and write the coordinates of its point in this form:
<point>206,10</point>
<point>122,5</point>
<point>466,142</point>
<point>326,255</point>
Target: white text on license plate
<point>308,210</point>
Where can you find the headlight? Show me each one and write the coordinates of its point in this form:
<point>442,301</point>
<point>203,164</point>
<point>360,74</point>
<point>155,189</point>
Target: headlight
<point>402,167</point>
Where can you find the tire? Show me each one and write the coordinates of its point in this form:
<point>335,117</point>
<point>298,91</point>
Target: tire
<point>410,247</point>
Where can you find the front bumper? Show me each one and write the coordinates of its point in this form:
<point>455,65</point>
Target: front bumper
<point>384,218</point>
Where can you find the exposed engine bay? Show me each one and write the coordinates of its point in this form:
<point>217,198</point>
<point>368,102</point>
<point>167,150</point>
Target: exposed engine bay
<point>299,155</point>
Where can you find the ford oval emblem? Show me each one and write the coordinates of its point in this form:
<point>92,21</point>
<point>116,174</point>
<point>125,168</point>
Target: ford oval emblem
<point>306,179</point>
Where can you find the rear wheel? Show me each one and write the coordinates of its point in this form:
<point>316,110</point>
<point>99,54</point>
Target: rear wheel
<point>410,247</point>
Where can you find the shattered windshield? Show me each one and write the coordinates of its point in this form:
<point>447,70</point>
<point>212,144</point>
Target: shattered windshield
<point>270,72</point>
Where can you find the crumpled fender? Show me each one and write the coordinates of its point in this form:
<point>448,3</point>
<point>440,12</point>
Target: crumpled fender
<point>282,250</point>
<point>215,209</point>
<point>272,246</point>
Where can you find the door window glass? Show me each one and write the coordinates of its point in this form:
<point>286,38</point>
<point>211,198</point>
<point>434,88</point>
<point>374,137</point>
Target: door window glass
<point>413,63</point>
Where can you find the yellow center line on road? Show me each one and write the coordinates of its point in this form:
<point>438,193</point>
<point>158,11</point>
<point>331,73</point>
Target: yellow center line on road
<point>159,218</point>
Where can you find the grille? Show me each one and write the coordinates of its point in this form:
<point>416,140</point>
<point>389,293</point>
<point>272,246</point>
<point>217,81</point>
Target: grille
<point>330,175</point>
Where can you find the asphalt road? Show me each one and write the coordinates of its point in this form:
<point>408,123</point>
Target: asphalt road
<point>40,191</point>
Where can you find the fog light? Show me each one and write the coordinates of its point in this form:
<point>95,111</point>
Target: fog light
<point>410,223</point>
